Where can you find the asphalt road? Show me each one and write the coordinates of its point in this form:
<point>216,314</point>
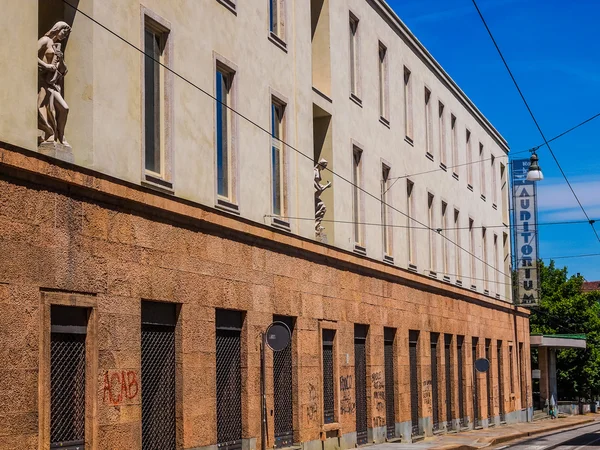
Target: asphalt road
<point>583,438</point>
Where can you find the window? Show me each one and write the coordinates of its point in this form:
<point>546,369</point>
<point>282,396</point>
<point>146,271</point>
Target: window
<point>454,144</point>
<point>482,166</point>
<point>415,391</point>
<point>224,132</point>
<point>430,225</point>
<point>277,157</point>
<point>511,363</point>
<point>428,133</point>
<point>444,241</point>
<point>385,212</point>
<point>504,194</point>
<point>383,100</point>
<point>442,132</point>
<point>277,18</point>
<point>156,101</point>
<point>457,250</point>
<point>494,181</point>
<point>354,55</point>
<point>356,195</point>
<point>389,336</point>
<point>506,265</point>
<point>469,160</point>
<point>409,223</point>
<point>472,250</point>
<point>496,265</point>
<point>484,253</point>
<point>328,376</point>
<point>435,377</point>
<point>408,110</point>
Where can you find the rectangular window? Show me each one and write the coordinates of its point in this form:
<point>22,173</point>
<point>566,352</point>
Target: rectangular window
<point>389,335</point>
<point>276,18</point>
<point>482,167</point>
<point>500,366</point>
<point>469,151</point>
<point>224,132</point>
<point>155,44</point>
<point>67,375</point>
<point>454,145</point>
<point>385,211</point>
<point>462,381</point>
<point>488,381</point>
<point>511,375</point>
<point>277,157</point>
<point>476,408</point>
<point>229,376</point>
<point>496,265</point>
<point>434,338</point>
<point>430,225</point>
<point>444,240</point>
<point>360,382</point>
<point>415,394</point>
<point>484,254</point>
<point>408,105</point>
<point>457,250</point>
<point>409,222</point>
<point>383,100</point>
<point>448,373</point>
<point>283,390</point>
<point>328,376</point>
<point>428,124</point>
<point>356,195</point>
<point>522,379</point>
<point>494,181</point>
<point>354,55</point>
<point>506,265</point>
<point>442,133</point>
<point>472,251</point>
<point>158,375</point>
<point>504,193</point>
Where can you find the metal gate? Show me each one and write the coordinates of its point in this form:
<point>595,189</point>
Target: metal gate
<point>158,376</point>
<point>67,390</point>
<point>434,382</point>
<point>475,386</point>
<point>500,383</point>
<point>388,354</point>
<point>282,392</point>
<point>360,375</point>
<point>328,392</point>
<point>414,381</point>
<point>448,373</point>
<point>461,381</point>
<point>229,380</point>
<point>488,377</point>
<point>522,378</point>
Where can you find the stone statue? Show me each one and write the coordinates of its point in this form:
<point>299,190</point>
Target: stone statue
<point>320,208</point>
<point>52,108</point>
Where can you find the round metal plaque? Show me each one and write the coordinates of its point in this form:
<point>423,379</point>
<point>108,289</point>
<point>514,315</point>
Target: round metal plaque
<point>277,336</point>
<point>482,365</point>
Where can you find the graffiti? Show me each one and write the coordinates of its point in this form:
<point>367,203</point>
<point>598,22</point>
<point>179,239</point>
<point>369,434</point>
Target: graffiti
<point>427,398</point>
<point>377,380</point>
<point>378,421</point>
<point>119,386</point>
<point>346,383</point>
<point>427,383</point>
<point>311,408</point>
<point>380,395</point>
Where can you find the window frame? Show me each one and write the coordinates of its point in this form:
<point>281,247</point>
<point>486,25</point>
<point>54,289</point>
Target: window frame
<point>354,57</point>
<point>410,209</point>
<point>442,135</point>
<point>383,67</point>
<point>277,26</point>
<point>408,106</point>
<point>358,231</point>
<point>428,124</point>
<point>279,105</point>
<point>386,214</point>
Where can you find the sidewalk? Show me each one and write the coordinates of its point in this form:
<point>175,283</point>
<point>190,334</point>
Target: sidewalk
<point>476,439</point>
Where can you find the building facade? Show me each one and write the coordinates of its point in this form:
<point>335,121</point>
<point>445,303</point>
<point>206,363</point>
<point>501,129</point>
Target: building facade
<point>199,170</point>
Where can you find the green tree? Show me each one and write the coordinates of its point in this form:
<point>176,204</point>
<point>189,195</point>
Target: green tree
<point>564,309</point>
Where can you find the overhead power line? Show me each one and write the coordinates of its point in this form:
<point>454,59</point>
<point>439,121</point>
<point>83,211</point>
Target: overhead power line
<point>546,142</point>
<point>310,158</point>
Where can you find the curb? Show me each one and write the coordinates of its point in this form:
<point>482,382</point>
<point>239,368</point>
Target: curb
<point>510,437</point>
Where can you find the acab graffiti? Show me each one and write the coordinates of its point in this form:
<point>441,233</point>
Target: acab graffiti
<point>119,386</point>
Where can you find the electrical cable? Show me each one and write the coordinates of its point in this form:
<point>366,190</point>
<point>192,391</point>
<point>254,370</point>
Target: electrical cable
<point>546,142</point>
<point>267,131</point>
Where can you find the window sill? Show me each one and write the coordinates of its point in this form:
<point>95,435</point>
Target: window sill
<point>473,287</point>
<point>455,176</point>
<point>443,167</point>
<point>356,100</point>
<point>409,140</point>
<point>384,121</point>
<point>429,156</point>
<point>230,5</point>
<point>388,259</point>
<point>280,223</point>
<point>360,249</point>
<point>277,41</point>
<point>483,198</point>
<point>432,273</point>
<point>470,187</point>
<point>412,267</point>
<point>458,282</point>
<point>486,292</point>
<point>321,94</point>
<point>494,206</point>
<point>158,184</point>
<point>498,296</point>
<point>226,205</point>
<point>446,278</point>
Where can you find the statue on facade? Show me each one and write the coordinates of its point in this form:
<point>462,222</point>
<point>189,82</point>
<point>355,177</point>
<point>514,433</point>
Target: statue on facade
<point>52,107</point>
<point>320,208</point>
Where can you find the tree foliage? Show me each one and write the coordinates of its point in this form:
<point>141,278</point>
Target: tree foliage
<point>564,309</point>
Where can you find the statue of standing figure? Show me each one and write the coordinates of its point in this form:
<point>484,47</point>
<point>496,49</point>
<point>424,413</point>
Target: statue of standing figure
<point>52,107</point>
<point>320,208</point>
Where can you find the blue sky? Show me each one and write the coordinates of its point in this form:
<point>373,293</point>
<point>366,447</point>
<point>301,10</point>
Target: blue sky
<point>553,49</point>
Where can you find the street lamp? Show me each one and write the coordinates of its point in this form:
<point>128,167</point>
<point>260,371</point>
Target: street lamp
<point>535,172</point>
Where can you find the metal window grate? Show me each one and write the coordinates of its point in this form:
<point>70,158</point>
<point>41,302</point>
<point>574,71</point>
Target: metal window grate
<point>282,393</point>
<point>488,377</point>
<point>476,421</point>
<point>448,374</point>
<point>67,390</point>
<point>434,382</point>
<point>522,380</point>
<point>414,382</point>
<point>360,375</point>
<point>500,383</point>
<point>229,389</point>
<point>158,387</point>
<point>389,366</point>
<point>461,382</point>
<point>328,392</point>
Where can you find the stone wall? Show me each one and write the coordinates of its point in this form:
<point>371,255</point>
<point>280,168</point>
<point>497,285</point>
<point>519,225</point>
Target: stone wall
<point>72,236</point>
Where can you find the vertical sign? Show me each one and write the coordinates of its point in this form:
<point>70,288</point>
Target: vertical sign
<point>525,234</point>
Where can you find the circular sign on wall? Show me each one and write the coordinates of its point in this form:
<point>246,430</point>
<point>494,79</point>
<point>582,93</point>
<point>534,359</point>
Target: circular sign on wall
<point>277,336</point>
<point>482,365</point>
